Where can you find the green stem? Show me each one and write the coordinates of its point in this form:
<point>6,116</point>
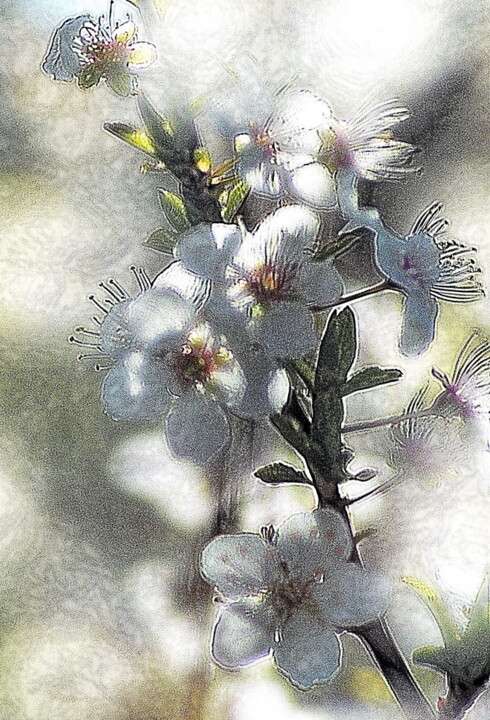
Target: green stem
<point>358,295</point>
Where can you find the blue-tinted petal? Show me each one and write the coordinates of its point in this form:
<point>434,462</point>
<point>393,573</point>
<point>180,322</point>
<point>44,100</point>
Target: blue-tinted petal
<point>412,263</point>
<point>243,633</point>
<point>319,283</point>
<point>309,542</point>
<point>351,596</point>
<point>61,61</point>
<point>419,323</point>
<point>136,388</point>
<point>206,249</point>
<point>308,652</point>
<point>237,565</point>
<point>348,199</point>
<point>197,428</point>
<point>287,329</point>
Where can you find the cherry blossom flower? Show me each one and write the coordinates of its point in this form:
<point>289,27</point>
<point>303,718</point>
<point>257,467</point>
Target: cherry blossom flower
<point>467,391</point>
<point>426,267</point>
<point>84,48</point>
<point>290,592</point>
<point>267,276</point>
<point>169,362</point>
<point>298,148</point>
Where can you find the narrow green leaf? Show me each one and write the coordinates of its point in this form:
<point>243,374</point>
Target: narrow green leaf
<point>337,350</point>
<point>90,76</point>
<point>120,82</point>
<point>336,248</point>
<point>279,473</point>
<point>303,370</point>
<point>136,138</point>
<point>293,433</point>
<point>162,240</point>
<point>232,199</point>
<point>202,159</point>
<point>159,129</point>
<point>370,377</point>
<point>175,210</point>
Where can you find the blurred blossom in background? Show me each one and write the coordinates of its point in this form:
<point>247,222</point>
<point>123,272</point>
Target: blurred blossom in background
<point>103,615</point>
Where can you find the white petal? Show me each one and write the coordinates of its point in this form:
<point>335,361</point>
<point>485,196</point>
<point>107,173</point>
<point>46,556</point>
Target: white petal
<point>310,542</point>
<point>299,117</point>
<point>287,329</point>
<point>117,334</point>
<point>141,55</point>
<point>125,32</point>
<point>242,634</point>
<point>267,387</point>
<point>313,184</point>
<point>197,428</point>
<point>351,596</point>
<point>207,249</point>
<point>284,234</point>
<point>185,283</point>
<point>309,651</point>
<point>236,564</point>
<point>158,319</point>
<point>136,388</point>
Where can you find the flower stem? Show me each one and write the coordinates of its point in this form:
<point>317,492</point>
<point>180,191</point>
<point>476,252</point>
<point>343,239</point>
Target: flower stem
<point>382,422</point>
<point>358,295</point>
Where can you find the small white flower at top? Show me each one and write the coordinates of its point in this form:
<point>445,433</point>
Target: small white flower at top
<point>268,276</point>
<point>289,592</point>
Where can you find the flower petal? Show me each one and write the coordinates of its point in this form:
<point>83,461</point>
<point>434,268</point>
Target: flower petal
<point>207,249</point>
<point>125,32</point>
<point>284,234</point>
<point>314,185</point>
<point>141,55</point>
<point>184,283</point>
<point>300,115</point>
<point>309,651</point>
<point>287,329</point>
<point>237,565</point>
<point>158,318</point>
<point>309,542</point>
<point>61,61</point>
<point>351,596</point>
<point>319,283</point>
<point>243,633</point>
<point>419,324</point>
<point>267,387</point>
<point>197,428</point>
<point>136,388</point>
<point>261,173</point>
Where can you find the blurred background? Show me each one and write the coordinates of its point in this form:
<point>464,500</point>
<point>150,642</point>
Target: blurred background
<point>102,613</point>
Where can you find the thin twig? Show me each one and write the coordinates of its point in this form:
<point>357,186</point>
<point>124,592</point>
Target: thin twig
<point>358,295</point>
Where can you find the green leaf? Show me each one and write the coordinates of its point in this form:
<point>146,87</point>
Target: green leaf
<point>136,138</point>
<point>120,82</point>
<point>232,199</point>
<point>291,430</point>
<point>175,210</point>
<point>159,129</point>
<point>303,370</point>
<point>202,160</point>
<point>162,240</point>
<point>370,377</point>
<point>279,473</point>
<point>90,76</point>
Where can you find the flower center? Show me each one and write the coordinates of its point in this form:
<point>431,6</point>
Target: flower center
<point>200,358</point>
<point>335,151</point>
<point>263,139</point>
<point>105,53</point>
<point>267,283</point>
<point>286,594</point>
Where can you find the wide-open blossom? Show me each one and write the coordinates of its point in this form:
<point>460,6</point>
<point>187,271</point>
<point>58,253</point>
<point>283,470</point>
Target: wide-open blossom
<point>467,391</point>
<point>289,591</point>
<point>298,148</point>
<point>267,276</point>
<point>426,447</point>
<point>84,48</point>
<point>426,267</point>
<point>169,362</point>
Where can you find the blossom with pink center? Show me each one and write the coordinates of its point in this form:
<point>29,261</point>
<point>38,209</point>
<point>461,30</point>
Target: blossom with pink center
<point>169,362</point>
<point>289,592</point>
<point>268,276</point>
